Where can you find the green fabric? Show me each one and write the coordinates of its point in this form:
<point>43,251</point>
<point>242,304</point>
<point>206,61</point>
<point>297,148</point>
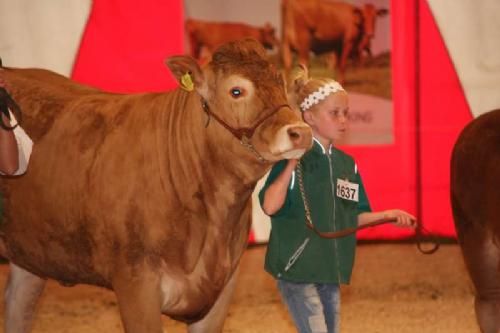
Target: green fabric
<point>322,260</point>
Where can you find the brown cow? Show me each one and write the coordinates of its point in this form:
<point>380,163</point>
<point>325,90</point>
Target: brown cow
<point>475,198</point>
<point>323,26</point>
<point>205,37</point>
<point>146,194</point>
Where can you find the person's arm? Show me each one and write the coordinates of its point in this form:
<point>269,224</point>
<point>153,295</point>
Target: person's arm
<point>275,195</point>
<point>9,160</point>
<point>403,219</point>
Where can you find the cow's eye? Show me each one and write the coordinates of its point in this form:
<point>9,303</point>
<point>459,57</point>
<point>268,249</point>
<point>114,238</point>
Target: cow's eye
<point>237,92</point>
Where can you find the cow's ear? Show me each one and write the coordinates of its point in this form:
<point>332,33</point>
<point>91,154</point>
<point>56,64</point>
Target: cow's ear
<point>187,72</point>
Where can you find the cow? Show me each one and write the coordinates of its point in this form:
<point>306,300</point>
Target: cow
<point>324,26</point>
<point>149,194</point>
<point>475,200</point>
<point>204,36</point>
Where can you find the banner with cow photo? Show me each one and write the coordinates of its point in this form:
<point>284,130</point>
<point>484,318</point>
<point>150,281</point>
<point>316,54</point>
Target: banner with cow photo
<point>346,40</point>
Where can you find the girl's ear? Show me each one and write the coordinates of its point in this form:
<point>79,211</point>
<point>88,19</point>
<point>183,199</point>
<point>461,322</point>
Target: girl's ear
<point>308,117</point>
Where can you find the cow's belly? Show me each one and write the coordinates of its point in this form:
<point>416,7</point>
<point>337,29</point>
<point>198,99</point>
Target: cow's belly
<point>51,260</point>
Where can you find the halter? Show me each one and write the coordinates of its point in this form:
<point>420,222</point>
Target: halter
<point>244,134</point>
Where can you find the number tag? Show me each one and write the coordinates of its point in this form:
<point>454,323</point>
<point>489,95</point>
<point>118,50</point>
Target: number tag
<point>347,190</point>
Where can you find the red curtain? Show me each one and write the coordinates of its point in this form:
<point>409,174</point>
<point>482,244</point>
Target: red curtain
<point>126,43</point>
<point>389,171</point>
<point>429,112</point>
<point>443,113</point>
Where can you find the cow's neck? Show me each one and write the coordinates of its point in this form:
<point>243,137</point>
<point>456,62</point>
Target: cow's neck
<point>209,180</point>
<point>206,161</point>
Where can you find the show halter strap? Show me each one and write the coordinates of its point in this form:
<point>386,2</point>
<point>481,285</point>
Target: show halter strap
<point>244,134</point>
<point>349,231</point>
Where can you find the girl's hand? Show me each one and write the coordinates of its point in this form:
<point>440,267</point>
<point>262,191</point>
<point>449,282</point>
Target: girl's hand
<point>404,219</point>
<point>292,163</point>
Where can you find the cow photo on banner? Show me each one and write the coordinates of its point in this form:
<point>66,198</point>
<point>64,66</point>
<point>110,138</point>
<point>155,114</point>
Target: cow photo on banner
<point>347,40</point>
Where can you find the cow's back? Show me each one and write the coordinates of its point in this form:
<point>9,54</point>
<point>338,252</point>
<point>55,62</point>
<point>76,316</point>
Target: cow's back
<point>214,34</point>
<point>326,20</point>
<point>336,20</point>
<point>41,94</point>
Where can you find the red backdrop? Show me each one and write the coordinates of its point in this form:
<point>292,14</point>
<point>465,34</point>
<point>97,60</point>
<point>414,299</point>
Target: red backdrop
<point>430,110</point>
<point>126,42</point>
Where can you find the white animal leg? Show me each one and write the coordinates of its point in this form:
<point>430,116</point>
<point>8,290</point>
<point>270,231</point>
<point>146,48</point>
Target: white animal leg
<point>213,322</point>
<point>22,292</point>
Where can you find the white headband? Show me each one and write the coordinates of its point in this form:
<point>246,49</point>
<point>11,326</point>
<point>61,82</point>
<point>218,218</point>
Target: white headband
<point>320,94</point>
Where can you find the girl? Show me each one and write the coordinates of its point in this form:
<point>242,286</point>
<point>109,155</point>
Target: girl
<point>309,268</point>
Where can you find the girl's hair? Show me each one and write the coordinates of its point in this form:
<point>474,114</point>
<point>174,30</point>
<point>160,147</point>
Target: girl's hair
<point>301,86</point>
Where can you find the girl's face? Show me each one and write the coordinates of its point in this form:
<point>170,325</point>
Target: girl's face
<point>328,119</point>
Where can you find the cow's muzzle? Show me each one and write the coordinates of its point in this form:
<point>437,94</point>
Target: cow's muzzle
<point>243,134</point>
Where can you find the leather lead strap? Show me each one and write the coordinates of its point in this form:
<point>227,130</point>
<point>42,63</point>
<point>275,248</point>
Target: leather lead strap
<point>349,231</point>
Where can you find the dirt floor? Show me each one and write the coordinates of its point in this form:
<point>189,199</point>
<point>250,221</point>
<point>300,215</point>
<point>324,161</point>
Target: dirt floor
<point>395,288</point>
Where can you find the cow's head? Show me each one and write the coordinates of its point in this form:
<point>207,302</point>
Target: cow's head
<point>370,14</point>
<point>268,36</point>
<point>245,94</point>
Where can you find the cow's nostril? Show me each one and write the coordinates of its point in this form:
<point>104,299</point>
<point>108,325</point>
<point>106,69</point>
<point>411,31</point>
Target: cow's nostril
<point>294,134</point>
<point>300,137</point>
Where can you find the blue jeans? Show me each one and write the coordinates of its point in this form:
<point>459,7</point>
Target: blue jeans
<point>314,307</point>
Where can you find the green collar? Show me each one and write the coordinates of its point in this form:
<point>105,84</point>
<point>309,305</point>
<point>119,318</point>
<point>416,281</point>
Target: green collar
<point>317,147</point>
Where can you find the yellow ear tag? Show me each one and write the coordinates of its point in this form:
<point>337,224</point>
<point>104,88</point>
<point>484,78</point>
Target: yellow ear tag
<point>187,82</point>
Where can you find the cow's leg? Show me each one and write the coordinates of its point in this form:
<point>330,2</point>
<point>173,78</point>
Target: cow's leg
<point>22,292</point>
<point>346,50</point>
<point>139,301</point>
<point>331,61</point>
<point>482,257</point>
<point>213,322</point>
<point>303,56</point>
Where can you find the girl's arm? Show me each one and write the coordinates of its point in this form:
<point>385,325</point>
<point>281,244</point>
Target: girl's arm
<point>275,195</point>
<point>404,219</point>
<point>9,161</point>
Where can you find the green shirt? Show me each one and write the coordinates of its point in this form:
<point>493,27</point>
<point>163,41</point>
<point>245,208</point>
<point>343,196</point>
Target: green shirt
<point>295,252</point>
